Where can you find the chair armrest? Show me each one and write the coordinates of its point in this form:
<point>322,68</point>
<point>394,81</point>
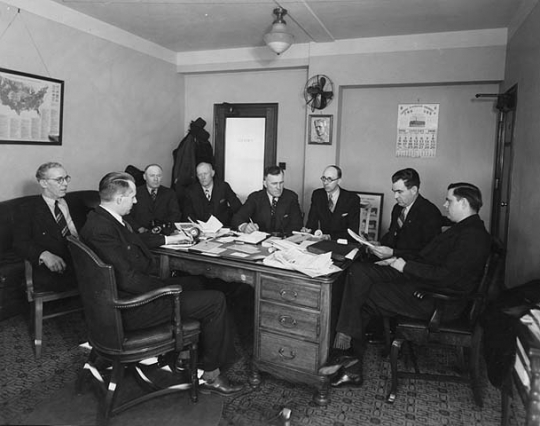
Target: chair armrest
<point>142,299</point>
<point>448,296</point>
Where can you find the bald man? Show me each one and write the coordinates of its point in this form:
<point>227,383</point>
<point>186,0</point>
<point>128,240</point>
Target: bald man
<point>333,209</point>
<point>210,196</point>
<point>155,203</point>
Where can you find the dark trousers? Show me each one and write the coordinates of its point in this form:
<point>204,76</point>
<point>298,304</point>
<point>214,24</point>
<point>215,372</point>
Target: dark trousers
<point>207,306</point>
<point>376,290</point>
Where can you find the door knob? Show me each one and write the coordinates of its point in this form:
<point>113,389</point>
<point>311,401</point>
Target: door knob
<point>503,204</point>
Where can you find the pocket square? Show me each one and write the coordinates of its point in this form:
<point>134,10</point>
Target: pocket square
<point>285,215</point>
<point>345,214</point>
<point>223,200</point>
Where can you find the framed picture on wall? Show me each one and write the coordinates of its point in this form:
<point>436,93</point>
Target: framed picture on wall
<point>320,129</point>
<point>31,109</point>
<point>371,205</point>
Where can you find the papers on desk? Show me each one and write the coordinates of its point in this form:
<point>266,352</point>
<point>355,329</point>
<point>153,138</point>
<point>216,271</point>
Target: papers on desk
<point>297,259</point>
<point>212,225</point>
<point>254,238</point>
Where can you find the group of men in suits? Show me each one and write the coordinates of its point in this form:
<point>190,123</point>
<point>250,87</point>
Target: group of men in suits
<point>413,252</point>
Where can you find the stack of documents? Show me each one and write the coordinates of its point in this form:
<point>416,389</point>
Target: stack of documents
<point>297,259</point>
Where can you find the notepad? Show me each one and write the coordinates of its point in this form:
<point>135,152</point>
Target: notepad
<point>254,238</point>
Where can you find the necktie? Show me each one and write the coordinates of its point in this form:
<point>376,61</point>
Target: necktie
<point>273,214</point>
<point>153,194</point>
<point>128,226</point>
<point>207,193</point>
<point>401,218</point>
<point>274,205</point>
<point>330,204</point>
<point>61,220</point>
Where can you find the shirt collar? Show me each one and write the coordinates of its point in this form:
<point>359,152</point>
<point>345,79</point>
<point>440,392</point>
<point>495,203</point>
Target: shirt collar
<point>113,214</point>
<point>51,201</point>
<point>334,195</point>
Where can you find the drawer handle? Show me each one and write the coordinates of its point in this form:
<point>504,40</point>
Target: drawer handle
<point>291,355</point>
<point>288,295</point>
<point>287,321</point>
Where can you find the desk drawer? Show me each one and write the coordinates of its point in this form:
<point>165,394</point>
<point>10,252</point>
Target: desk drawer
<point>210,270</point>
<point>289,290</point>
<point>290,320</point>
<point>288,352</point>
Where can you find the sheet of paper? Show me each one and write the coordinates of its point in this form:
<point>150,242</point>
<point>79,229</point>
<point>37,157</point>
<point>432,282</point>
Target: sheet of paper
<point>253,238</point>
<point>212,225</point>
<point>360,239</point>
<point>208,247</point>
<point>245,248</point>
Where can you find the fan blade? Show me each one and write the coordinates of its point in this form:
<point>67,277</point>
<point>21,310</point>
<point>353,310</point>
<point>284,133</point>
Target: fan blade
<point>313,90</point>
<point>321,82</point>
<point>328,95</point>
<point>323,102</point>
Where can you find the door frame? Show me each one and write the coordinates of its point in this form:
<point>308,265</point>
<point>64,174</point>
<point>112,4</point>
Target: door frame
<point>225,110</point>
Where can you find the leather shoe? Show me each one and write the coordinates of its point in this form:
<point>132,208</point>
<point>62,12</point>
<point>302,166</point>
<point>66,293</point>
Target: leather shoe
<point>347,378</point>
<point>334,365</point>
<point>220,386</point>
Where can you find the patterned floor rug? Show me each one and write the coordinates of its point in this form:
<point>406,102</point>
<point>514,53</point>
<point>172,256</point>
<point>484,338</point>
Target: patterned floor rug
<point>26,383</point>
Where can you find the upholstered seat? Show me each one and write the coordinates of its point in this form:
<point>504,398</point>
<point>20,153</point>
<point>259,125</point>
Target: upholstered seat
<point>111,344</point>
<point>462,333</point>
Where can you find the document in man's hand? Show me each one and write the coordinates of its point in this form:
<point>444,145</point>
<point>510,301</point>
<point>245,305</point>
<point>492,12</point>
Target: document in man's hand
<point>359,238</point>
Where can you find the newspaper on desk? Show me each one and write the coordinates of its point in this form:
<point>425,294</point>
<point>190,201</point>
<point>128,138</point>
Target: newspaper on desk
<point>298,259</point>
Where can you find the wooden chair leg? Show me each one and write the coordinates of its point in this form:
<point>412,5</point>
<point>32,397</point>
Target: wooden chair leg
<point>194,391</point>
<point>394,352</point>
<point>117,375</point>
<point>474,365</point>
<point>506,394</point>
<point>38,326</point>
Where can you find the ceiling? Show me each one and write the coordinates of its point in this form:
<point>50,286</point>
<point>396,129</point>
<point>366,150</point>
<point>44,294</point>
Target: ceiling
<point>192,25</point>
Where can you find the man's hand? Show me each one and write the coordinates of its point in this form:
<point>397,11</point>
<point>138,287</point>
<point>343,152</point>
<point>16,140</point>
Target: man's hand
<point>179,238</point>
<point>382,252</point>
<point>386,262</point>
<point>398,264</point>
<point>248,228</point>
<point>53,262</point>
<point>142,230</point>
<point>307,230</point>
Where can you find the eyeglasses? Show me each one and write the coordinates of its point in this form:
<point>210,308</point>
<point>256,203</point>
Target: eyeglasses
<point>327,179</point>
<point>60,180</point>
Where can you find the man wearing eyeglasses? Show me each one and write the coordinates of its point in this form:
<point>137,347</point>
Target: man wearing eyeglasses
<point>41,228</point>
<point>333,209</point>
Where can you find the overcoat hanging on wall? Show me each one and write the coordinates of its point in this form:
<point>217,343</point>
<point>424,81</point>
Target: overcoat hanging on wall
<point>192,150</point>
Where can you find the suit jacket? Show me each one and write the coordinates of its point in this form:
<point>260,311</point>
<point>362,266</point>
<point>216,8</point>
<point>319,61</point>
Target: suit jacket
<point>346,214</point>
<point>422,224</point>
<point>165,208</point>
<point>257,207</point>
<point>454,259</point>
<point>36,231</point>
<point>126,251</point>
<point>223,203</point>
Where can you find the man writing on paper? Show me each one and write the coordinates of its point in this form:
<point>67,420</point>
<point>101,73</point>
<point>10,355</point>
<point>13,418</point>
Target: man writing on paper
<point>333,209</point>
<point>155,203</point>
<point>273,209</point>
<point>210,197</point>
<point>415,220</point>
<point>453,260</point>
<point>116,244</point>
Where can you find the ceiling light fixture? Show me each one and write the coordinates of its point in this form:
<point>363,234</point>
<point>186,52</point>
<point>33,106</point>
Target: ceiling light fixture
<point>278,39</point>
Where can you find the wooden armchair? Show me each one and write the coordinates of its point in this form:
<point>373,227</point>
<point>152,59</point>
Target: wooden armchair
<point>462,333</point>
<point>126,349</point>
<point>38,299</point>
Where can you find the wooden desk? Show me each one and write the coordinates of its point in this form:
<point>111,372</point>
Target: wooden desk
<point>525,375</point>
<point>295,315</point>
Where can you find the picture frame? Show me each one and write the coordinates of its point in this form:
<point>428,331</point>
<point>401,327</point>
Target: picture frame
<point>320,129</point>
<point>371,205</point>
<point>31,109</point>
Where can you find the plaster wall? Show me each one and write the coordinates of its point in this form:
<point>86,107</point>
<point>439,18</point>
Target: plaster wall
<point>523,69</point>
<point>120,106</point>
